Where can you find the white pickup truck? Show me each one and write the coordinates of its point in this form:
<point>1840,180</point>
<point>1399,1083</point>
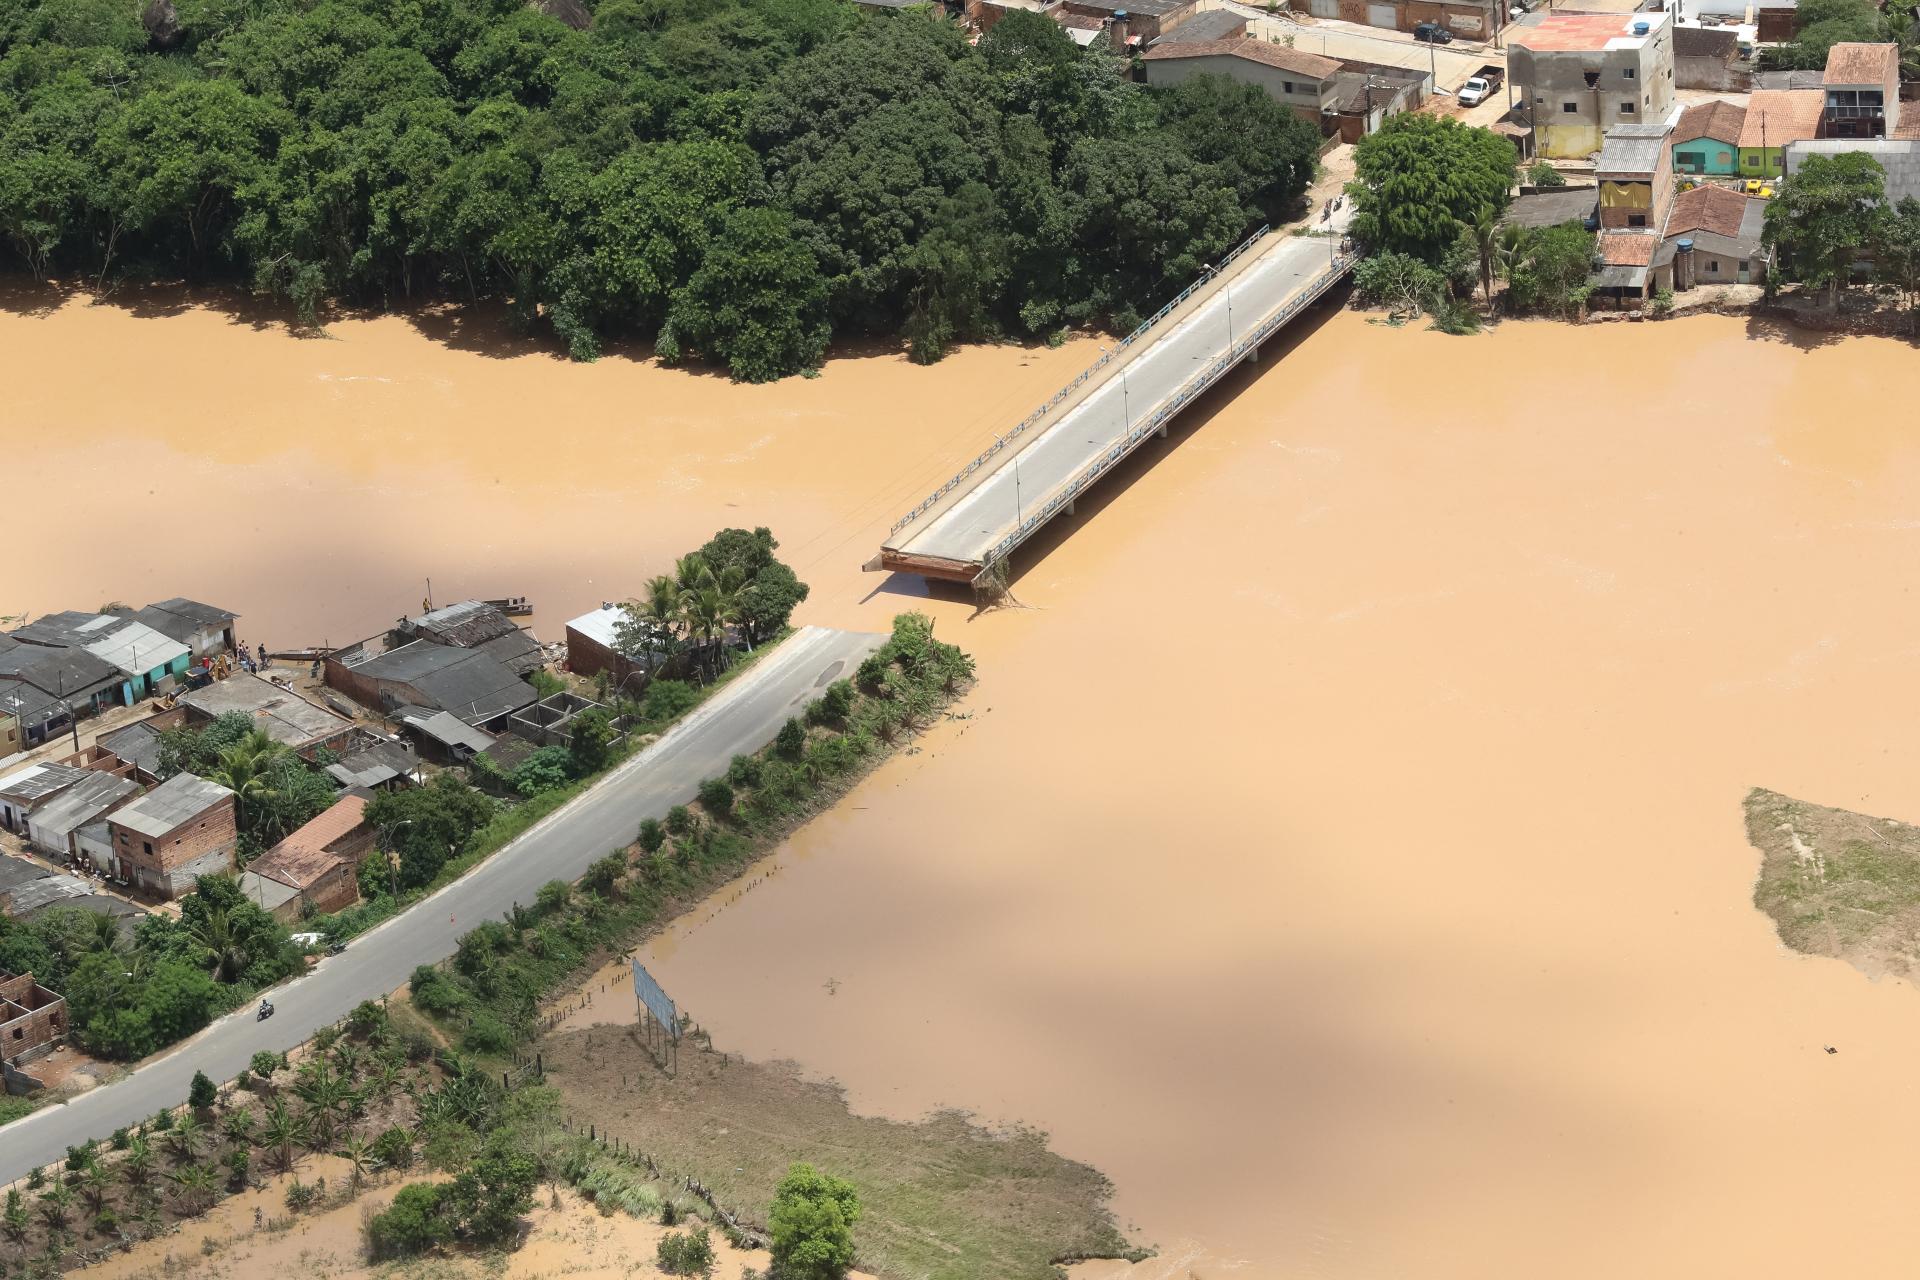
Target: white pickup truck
<point>1480,85</point>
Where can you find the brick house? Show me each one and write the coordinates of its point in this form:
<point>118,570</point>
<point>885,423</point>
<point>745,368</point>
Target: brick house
<point>170,837</point>
<point>31,1016</point>
<point>317,864</point>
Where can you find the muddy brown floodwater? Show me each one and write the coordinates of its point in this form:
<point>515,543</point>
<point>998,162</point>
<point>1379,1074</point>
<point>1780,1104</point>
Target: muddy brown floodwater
<point>1345,852</point>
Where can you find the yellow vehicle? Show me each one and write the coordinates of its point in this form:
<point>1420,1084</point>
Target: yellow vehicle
<point>1757,187</point>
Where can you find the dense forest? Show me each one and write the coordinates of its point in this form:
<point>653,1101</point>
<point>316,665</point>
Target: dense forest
<point>739,181</point>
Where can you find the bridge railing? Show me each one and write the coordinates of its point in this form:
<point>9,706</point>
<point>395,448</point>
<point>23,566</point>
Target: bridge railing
<point>1071,489</point>
<point>1001,442</point>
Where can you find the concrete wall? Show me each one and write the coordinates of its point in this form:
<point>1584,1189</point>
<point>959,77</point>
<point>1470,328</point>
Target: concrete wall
<point>1468,19</point>
<point>9,735</point>
<point>1305,95</point>
<point>1762,162</point>
<point>1712,73</point>
<point>30,1016</point>
<point>172,864</point>
<point>1571,116</point>
<point>1715,156</point>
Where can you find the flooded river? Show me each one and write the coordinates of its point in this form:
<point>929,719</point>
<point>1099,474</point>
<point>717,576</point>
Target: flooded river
<point>1345,850</point>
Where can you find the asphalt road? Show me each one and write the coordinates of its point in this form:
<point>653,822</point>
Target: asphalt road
<point>742,717</point>
<point>970,525</point>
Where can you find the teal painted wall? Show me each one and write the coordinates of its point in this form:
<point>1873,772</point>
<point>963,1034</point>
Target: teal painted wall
<point>1716,157</point>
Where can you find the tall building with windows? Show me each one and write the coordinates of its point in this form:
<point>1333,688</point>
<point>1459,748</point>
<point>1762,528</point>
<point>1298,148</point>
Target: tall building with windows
<point>1580,74</point>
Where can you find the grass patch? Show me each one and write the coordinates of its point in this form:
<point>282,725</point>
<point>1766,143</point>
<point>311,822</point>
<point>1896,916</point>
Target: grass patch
<point>941,1198</point>
<point>1838,883</point>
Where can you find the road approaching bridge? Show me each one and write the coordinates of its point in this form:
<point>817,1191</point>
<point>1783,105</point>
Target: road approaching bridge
<point>744,716</point>
<point>1036,471</point>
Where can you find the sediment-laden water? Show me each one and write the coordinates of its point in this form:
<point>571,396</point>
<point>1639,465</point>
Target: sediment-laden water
<point>1345,851</point>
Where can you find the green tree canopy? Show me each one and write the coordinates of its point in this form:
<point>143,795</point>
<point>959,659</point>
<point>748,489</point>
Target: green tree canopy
<point>1421,180</point>
<point>812,1225</point>
<point>1826,215</point>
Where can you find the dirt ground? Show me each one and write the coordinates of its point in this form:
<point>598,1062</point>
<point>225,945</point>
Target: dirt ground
<point>1838,883</point>
<point>567,1236</point>
<point>941,1198</point>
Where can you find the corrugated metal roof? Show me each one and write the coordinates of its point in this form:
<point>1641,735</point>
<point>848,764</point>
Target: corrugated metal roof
<point>36,895</point>
<point>78,805</point>
<point>598,626</point>
<point>178,800</point>
<point>466,624</point>
<point>442,727</point>
<point>38,781</point>
<point>265,892</point>
<point>1632,149</point>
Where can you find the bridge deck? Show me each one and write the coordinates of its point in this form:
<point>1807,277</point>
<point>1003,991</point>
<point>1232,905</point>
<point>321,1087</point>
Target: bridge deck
<point>978,522</point>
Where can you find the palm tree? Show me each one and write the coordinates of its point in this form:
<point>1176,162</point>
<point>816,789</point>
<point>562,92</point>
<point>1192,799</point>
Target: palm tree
<point>95,1183</point>
<point>237,1128</point>
<point>136,1167</point>
<point>347,1057</point>
<point>1512,252</point>
<point>245,768</point>
<point>186,1136</point>
<point>666,610</point>
<point>194,1188</point>
<point>358,1153</point>
<point>282,1130</point>
<point>15,1222</point>
<point>327,1096</point>
<point>1486,239</point>
<point>56,1206</point>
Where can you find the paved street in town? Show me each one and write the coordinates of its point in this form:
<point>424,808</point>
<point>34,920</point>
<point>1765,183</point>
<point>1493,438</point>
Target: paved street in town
<point>742,717</point>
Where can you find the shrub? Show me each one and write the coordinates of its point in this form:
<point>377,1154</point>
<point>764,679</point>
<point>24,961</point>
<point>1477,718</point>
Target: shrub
<point>1542,174</point>
<point>301,1196</point>
<point>367,1019</point>
<point>652,835</point>
<point>239,1167</point>
<point>547,769</point>
<point>120,1139</point>
<point>80,1157</point>
<point>553,897</point>
<point>394,1148</point>
<point>413,1223</point>
<point>716,797</point>
<point>668,700</point>
<point>680,820</point>
<point>812,1225</point>
<point>744,771</point>
<point>689,1254</point>
<point>201,1094</point>
<point>833,705</point>
<point>106,1222</point>
<point>1662,301</point>
<point>487,1035</point>
<point>791,740</point>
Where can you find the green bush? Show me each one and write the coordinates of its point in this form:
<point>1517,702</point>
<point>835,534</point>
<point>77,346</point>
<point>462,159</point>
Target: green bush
<point>812,1225</point>
<point>667,700</point>
<point>833,705</point>
<point>1542,174</point>
<point>394,1148</point>
<point>202,1093</point>
<point>744,772</point>
<point>688,1254</point>
<point>680,820</point>
<point>416,1221</point>
<point>1662,301</point>
<point>791,740</point>
<point>716,797</point>
<point>652,835</point>
<point>487,1035</point>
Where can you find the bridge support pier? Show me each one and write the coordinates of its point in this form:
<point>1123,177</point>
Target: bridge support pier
<point>1070,508</point>
<point>1162,432</point>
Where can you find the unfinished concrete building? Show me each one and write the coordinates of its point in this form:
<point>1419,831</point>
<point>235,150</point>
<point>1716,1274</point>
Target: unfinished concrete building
<point>1578,75</point>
